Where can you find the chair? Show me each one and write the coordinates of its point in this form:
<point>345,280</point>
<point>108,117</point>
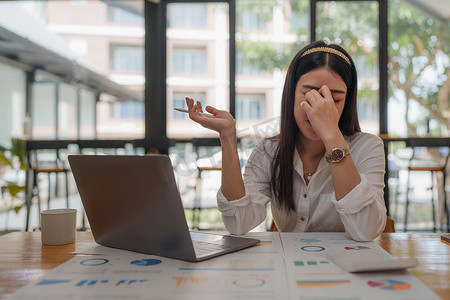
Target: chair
<point>393,182</point>
<point>390,225</point>
<point>388,228</point>
<point>434,167</point>
<point>52,165</point>
<point>198,206</point>
<point>208,159</point>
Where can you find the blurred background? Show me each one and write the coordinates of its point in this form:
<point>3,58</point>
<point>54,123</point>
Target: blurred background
<point>103,76</point>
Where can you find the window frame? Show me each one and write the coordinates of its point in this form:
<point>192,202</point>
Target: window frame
<point>113,65</point>
<point>156,59</point>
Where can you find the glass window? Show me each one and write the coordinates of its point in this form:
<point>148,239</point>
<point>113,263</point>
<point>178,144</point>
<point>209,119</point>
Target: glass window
<point>87,114</point>
<point>354,26</point>
<point>367,69</point>
<point>189,60</point>
<point>67,112</point>
<point>187,15</point>
<point>266,43</point>
<point>252,21</point>
<point>418,77</point>
<point>78,2</point>
<point>108,39</point>
<point>178,101</point>
<point>197,63</point>
<point>248,68</point>
<point>12,103</point>
<point>122,16</point>
<point>257,15</point>
<point>103,39</point>
<point>250,107</point>
<point>367,111</point>
<point>128,110</point>
<point>44,110</point>
<point>299,19</point>
<point>127,58</point>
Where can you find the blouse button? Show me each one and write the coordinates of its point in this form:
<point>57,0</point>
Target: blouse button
<point>304,195</point>
<point>302,219</point>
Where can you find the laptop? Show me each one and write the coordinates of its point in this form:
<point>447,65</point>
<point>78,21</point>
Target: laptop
<point>133,203</point>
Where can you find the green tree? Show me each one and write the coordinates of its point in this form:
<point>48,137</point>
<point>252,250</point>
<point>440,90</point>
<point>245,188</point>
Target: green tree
<point>419,64</point>
<point>354,26</point>
<point>418,54</point>
<point>262,54</point>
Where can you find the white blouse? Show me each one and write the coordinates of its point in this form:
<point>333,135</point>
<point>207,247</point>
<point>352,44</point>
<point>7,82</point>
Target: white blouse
<point>361,213</point>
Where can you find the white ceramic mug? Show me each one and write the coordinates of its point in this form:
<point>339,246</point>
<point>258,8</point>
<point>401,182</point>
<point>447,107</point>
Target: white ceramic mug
<point>58,226</point>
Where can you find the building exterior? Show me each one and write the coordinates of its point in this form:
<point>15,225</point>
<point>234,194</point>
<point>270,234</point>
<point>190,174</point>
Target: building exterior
<point>112,39</point>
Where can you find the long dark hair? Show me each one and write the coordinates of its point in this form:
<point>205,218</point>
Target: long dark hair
<point>282,171</point>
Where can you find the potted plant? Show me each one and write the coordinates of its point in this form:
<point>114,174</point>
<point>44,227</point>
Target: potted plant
<point>15,160</point>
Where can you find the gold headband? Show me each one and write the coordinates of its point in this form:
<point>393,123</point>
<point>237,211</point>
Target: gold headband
<point>328,50</point>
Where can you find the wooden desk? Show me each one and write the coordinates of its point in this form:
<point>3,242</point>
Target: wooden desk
<point>23,259</point>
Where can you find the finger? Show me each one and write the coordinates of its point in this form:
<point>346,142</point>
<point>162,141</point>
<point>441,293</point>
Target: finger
<point>191,107</point>
<point>199,106</point>
<point>313,97</point>
<point>189,102</point>
<point>212,110</point>
<point>326,93</point>
<point>306,107</point>
<point>195,108</point>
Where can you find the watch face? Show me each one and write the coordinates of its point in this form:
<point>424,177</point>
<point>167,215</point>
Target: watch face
<point>337,154</point>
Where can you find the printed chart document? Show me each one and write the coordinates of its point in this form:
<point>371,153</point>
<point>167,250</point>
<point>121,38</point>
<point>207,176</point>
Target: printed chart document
<point>106,273</point>
<point>312,276</point>
<point>282,266</point>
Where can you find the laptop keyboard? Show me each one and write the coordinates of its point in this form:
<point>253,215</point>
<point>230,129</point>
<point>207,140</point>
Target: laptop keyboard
<point>202,248</point>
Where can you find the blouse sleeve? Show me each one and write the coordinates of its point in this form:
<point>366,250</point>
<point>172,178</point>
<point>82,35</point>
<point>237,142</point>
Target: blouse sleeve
<point>362,210</point>
<point>242,215</point>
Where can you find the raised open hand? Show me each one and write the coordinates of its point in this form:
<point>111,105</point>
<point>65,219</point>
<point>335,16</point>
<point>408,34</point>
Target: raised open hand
<point>220,121</point>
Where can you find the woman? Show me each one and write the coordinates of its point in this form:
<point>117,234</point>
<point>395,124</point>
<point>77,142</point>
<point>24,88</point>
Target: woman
<point>320,173</point>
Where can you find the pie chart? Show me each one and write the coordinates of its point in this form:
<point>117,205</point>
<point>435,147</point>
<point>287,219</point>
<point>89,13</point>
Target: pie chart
<point>357,248</point>
<point>249,282</point>
<point>390,284</point>
<point>146,262</point>
<point>312,248</point>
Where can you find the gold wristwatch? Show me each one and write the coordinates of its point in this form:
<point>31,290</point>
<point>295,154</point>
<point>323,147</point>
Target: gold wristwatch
<point>337,154</point>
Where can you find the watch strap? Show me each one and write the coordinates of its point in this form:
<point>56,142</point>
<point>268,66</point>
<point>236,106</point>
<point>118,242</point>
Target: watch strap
<point>337,154</point>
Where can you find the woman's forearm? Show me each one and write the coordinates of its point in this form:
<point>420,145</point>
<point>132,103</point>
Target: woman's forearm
<point>344,173</point>
<point>222,122</point>
<point>232,183</point>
